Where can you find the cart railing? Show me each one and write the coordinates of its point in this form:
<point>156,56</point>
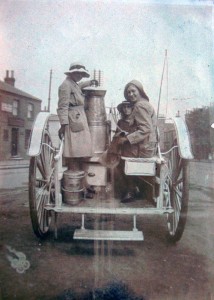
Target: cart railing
<point>58,173</point>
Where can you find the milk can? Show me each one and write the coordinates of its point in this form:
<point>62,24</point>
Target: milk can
<point>73,186</point>
<point>97,120</point>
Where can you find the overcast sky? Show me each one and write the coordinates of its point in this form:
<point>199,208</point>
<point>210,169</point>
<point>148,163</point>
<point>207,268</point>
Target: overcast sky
<point>124,39</point>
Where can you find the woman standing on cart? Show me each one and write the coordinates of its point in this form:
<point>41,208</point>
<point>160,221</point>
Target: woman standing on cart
<point>72,117</point>
<point>141,139</point>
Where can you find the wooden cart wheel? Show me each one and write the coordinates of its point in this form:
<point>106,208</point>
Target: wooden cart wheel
<point>41,187</point>
<point>176,194</point>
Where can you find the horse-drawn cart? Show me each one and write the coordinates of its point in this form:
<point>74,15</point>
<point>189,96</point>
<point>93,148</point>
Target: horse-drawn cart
<point>167,174</point>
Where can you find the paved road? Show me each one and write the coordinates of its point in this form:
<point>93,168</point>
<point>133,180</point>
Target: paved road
<point>201,174</point>
<point>151,269</point>
<point>13,174</point>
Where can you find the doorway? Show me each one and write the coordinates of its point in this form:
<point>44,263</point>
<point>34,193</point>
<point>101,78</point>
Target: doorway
<point>14,141</point>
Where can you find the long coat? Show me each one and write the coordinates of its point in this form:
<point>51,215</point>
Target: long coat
<point>71,113</point>
<point>143,140</point>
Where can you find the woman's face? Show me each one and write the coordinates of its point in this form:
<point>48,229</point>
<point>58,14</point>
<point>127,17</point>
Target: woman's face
<point>76,76</point>
<point>133,93</point>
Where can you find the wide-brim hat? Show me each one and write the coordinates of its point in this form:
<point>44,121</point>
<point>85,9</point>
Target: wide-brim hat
<point>120,106</point>
<point>78,67</point>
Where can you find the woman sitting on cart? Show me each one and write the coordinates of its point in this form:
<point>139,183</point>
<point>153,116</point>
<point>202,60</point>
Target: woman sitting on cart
<point>141,137</point>
<point>143,140</point>
<point>124,185</point>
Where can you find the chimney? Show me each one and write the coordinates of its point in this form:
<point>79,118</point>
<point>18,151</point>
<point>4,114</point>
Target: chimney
<point>178,113</point>
<point>10,79</point>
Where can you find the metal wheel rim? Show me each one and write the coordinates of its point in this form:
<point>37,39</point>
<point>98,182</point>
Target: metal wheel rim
<point>175,194</point>
<point>42,186</point>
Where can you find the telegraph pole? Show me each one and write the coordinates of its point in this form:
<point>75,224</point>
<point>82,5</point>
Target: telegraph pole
<point>159,98</point>
<point>49,94</point>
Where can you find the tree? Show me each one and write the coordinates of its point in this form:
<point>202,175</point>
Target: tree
<point>198,122</point>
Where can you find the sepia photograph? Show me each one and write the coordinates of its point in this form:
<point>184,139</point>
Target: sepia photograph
<point>106,150</point>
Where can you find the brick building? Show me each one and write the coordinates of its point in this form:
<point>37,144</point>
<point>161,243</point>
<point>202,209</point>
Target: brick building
<point>18,110</point>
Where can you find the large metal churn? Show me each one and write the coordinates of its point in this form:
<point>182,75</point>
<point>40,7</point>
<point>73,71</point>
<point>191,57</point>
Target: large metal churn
<point>97,120</point>
<point>99,128</point>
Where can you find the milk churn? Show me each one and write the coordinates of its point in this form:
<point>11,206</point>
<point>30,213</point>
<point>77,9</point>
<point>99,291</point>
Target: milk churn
<point>73,185</point>
<point>96,116</point>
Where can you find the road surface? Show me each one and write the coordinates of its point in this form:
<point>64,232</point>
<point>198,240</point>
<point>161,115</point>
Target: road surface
<point>152,269</point>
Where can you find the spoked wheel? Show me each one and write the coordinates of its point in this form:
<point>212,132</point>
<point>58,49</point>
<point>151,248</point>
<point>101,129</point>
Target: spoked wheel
<point>41,187</point>
<point>176,194</point>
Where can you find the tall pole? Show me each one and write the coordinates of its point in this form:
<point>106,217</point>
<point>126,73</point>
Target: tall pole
<point>165,58</point>
<point>167,86</point>
<point>49,94</point>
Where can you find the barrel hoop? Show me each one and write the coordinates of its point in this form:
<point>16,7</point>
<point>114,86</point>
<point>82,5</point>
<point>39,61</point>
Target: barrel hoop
<point>77,191</point>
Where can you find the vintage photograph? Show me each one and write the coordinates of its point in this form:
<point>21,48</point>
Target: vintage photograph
<point>106,150</point>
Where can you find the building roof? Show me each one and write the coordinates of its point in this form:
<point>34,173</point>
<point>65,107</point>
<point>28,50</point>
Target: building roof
<point>11,89</point>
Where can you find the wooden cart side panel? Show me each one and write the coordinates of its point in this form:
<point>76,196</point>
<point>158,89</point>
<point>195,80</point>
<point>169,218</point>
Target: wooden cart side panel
<point>37,133</point>
<point>53,128</point>
<point>183,138</point>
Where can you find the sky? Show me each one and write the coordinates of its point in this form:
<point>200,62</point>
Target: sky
<point>124,39</point>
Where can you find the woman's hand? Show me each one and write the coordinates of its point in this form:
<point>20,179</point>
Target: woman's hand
<point>94,83</point>
<point>61,132</point>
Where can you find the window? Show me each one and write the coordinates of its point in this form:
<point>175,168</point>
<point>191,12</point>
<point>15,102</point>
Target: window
<point>27,137</point>
<point>30,111</point>
<point>15,107</point>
